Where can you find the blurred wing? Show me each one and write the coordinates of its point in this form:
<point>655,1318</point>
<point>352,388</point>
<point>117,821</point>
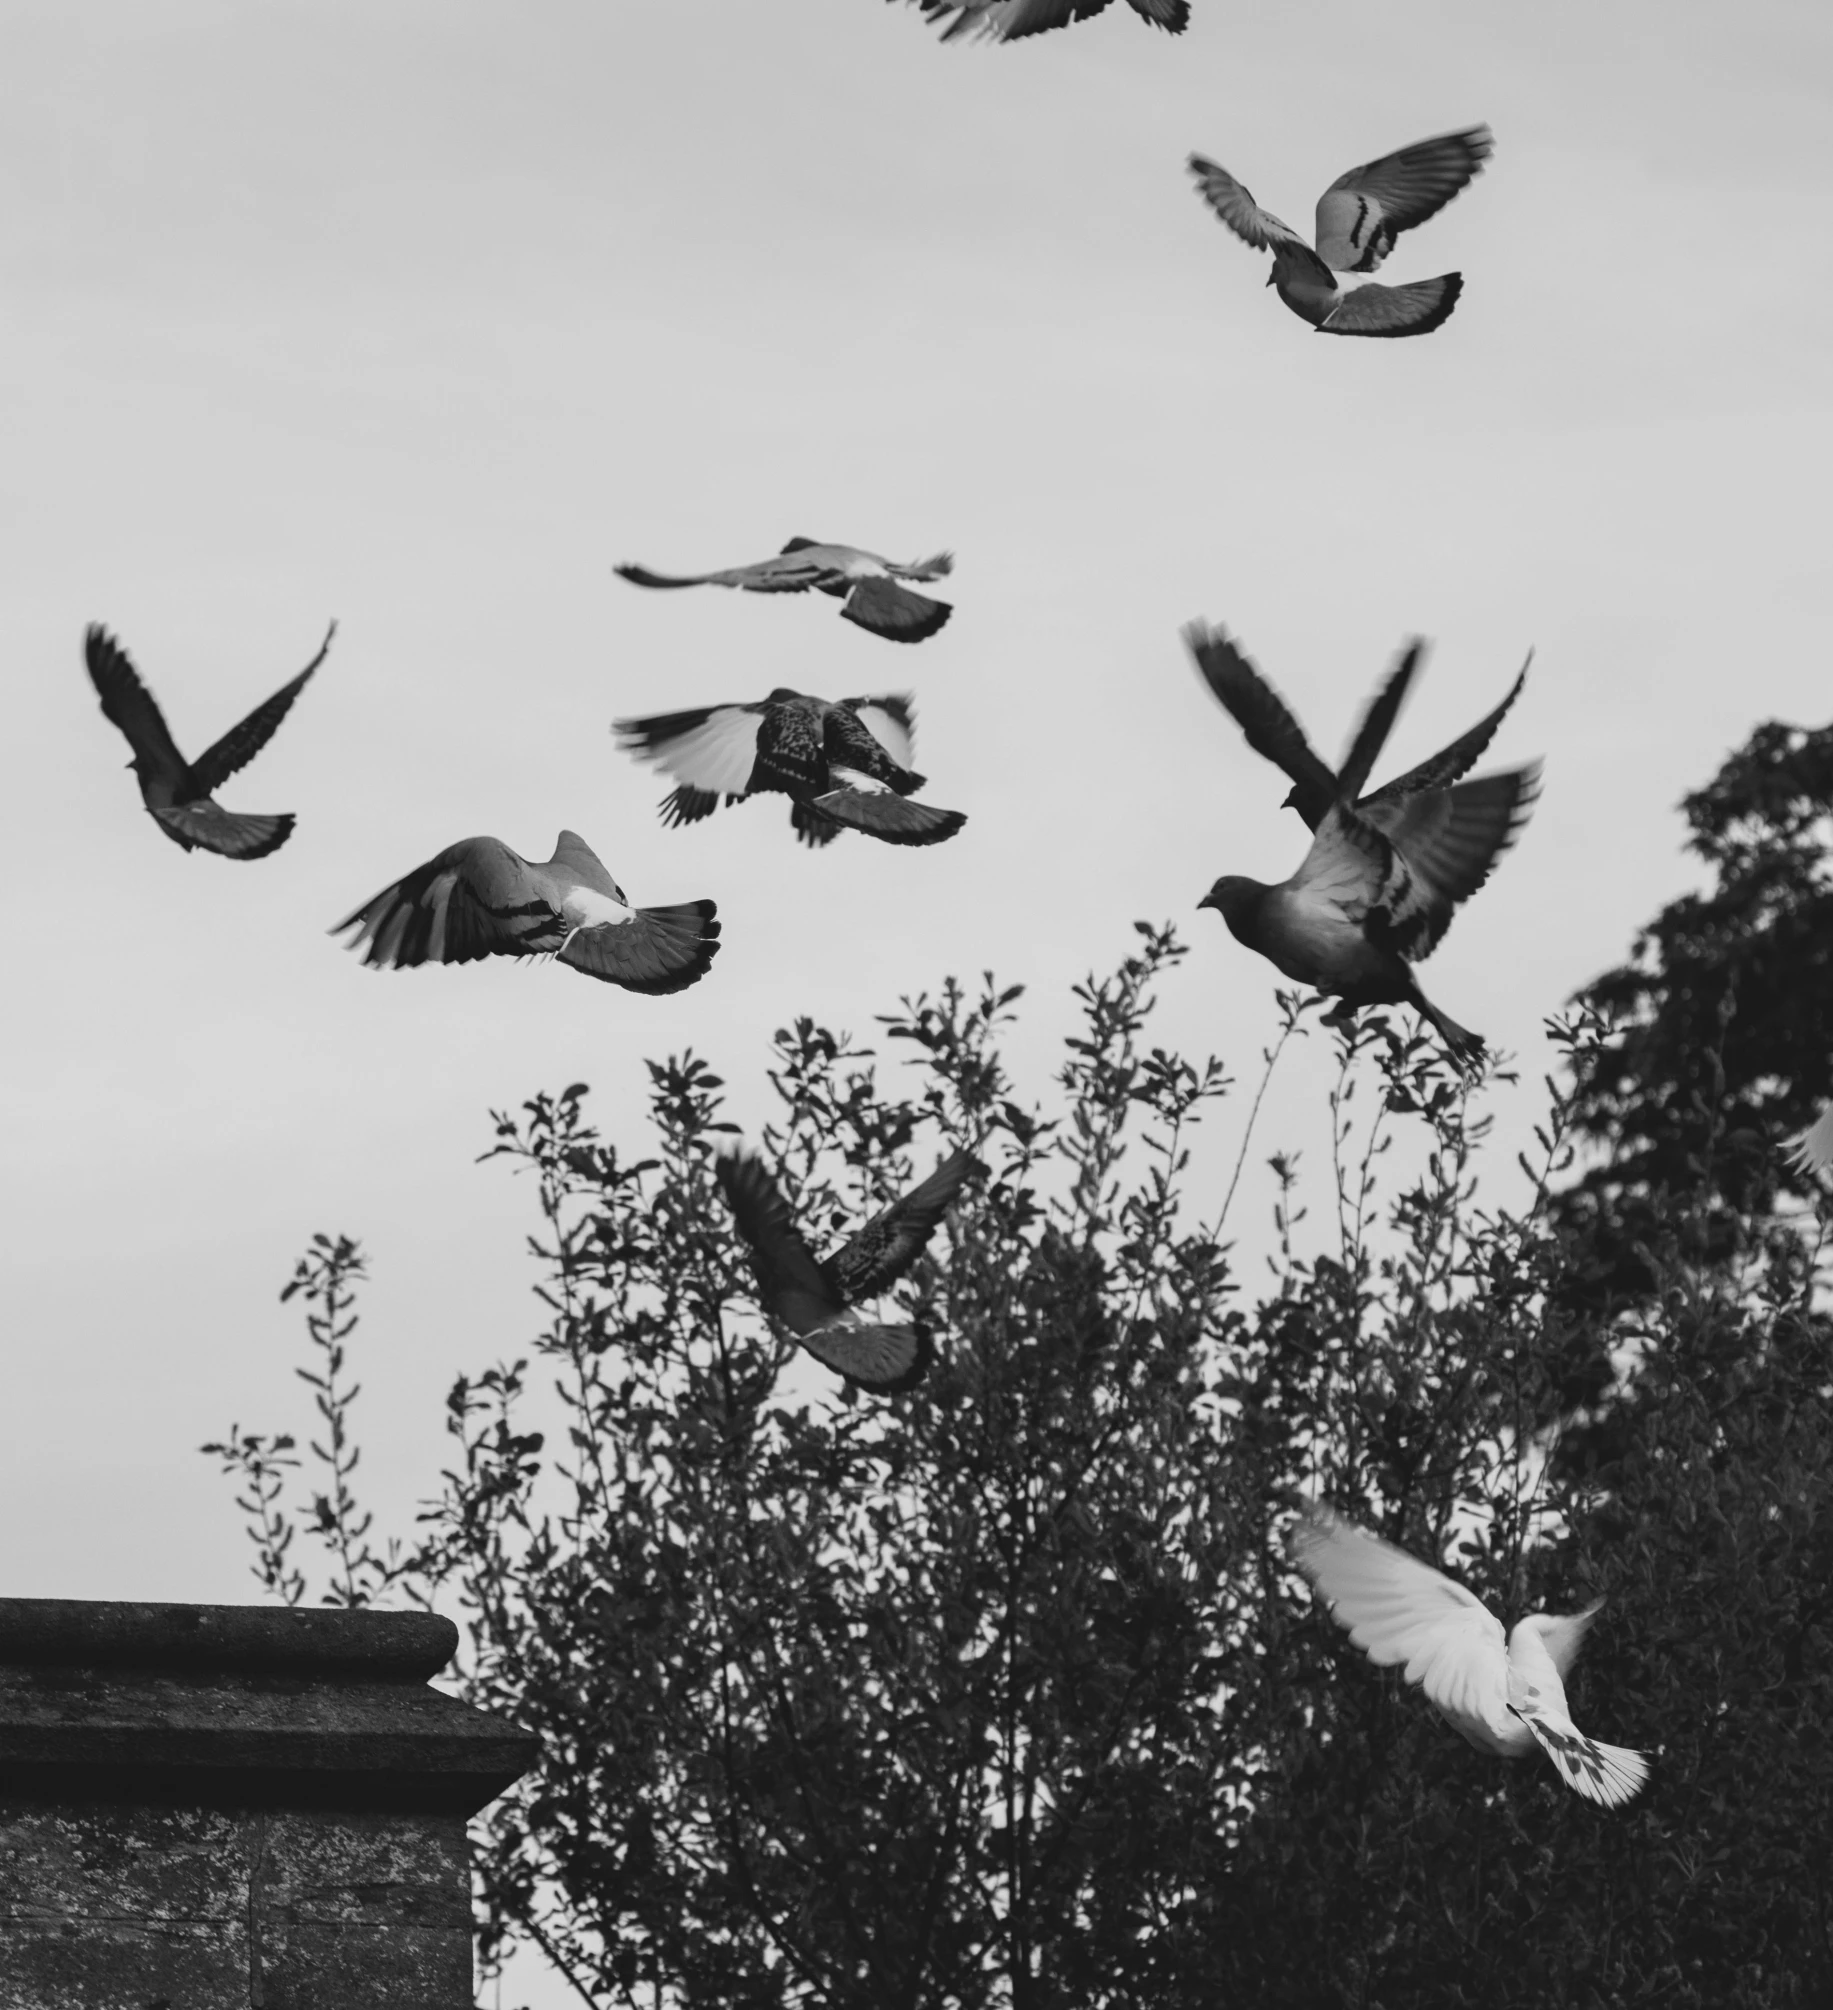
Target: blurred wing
<point>1401,1611</point>
<point>938,565</point>
<point>1395,310</point>
<point>1445,843</point>
<point>890,721</point>
<point>712,748</point>
<point>882,607</point>
<point>475,899</point>
<point>1362,212</point>
<point>243,742</point>
<point>207,826</point>
<point>1268,727</point>
<point>1453,762</point>
<point>1244,216</point>
<point>128,704</point>
<point>1563,1634</point>
<point>875,1257</point>
<point>1012,20</point>
<point>1812,1151</point>
<point>888,1359</point>
<point>791,1282</point>
<point>1376,723</point>
<point>657,951</point>
<point>787,572</point>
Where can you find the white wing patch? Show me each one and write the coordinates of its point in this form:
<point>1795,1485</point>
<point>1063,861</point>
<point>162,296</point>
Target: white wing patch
<point>887,729</point>
<point>717,755</point>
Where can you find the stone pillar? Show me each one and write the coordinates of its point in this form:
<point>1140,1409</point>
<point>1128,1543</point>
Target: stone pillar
<point>228,1807</point>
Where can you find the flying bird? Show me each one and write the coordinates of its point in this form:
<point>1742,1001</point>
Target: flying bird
<point>1358,218</point>
<point>1502,1696</point>
<point>180,793</point>
<point>478,898</point>
<point>1272,732</point>
<point>817,1300</point>
<point>1812,1152</point>
<point>840,765</point>
<point>1011,20</point>
<point>1368,900</point>
<point>867,583</point>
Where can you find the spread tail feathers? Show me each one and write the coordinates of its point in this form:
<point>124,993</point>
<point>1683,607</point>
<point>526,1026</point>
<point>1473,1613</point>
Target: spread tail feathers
<point>206,826</point>
<point>1606,1774</point>
<point>882,607</point>
<point>895,819</point>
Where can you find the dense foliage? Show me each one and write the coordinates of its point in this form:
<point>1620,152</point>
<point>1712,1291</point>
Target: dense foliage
<point>1000,1692</point>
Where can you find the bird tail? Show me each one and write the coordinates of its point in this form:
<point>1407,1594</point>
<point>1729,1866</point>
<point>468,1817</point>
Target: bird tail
<point>207,826</point>
<point>885,1359</point>
<point>640,575</point>
<point>882,607</point>
<point>1606,1774</point>
<point>667,948</point>
<point>894,818</point>
<point>1416,309</point>
<point>1813,1150</point>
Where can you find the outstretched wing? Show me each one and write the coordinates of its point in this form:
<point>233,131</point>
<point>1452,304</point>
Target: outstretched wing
<point>1445,843</point>
<point>1812,1151</point>
<point>787,572</point>
<point>792,1284</point>
<point>712,748</point>
<point>1253,225</point>
<point>876,1256</point>
<point>1376,723</point>
<point>1395,310</point>
<point>1266,724</point>
<point>891,721</point>
<point>1401,1611</point>
<point>657,951</point>
<point>1453,762</point>
<point>474,899</point>
<point>1362,212</point>
<point>243,742</point>
<point>129,705</point>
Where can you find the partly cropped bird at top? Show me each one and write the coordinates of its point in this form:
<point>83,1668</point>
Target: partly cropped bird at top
<point>866,582</point>
<point>478,898</point>
<point>1272,732</point>
<point>1358,218</point>
<point>1371,896</point>
<point>178,792</point>
<point>816,1300</point>
<point>1011,20</point>
<point>1812,1152</point>
<point>1504,1696</point>
<point>839,764</point>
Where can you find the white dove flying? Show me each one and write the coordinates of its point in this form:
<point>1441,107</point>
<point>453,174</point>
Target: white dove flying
<point>1503,1697</point>
<point>1358,218</point>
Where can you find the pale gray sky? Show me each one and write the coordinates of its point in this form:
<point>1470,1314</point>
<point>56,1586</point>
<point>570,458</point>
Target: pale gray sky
<point>422,316</point>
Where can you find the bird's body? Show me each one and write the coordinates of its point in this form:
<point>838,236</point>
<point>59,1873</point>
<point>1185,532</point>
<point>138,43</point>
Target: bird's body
<point>818,1300</point>
<point>179,794</point>
<point>1358,218</point>
<point>1013,20</point>
<point>841,765</point>
<point>867,583</point>
<point>1502,1694</point>
<point>479,898</point>
<point>1376,892</point>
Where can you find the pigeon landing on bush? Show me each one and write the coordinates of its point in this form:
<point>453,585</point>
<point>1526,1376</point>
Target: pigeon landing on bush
<point>1812,1152</point>
<point>816,1300</point>
<point>867,583</point>
<point>1011,20</point>
<point>1271,730</point>
<point>478,898</point>
<point>1367,900</point>
<point>844,764</point>
<point>1358,218</point>
<point>1502,1696</point>
<point>179,793</point>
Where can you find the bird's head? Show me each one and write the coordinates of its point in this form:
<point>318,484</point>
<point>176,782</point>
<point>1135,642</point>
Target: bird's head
<point>1235,899</point>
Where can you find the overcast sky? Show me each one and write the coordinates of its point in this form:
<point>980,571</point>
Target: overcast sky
<point>423,315</point>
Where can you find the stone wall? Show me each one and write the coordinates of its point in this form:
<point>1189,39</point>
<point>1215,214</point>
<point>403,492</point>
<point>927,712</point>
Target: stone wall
<point>211,1807</point>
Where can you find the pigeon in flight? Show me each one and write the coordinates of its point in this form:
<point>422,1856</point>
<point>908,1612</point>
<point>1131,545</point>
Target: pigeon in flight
<point>866,582</point>
<point>179,793</point>
<point>1502,1696</point>
<point>1812,1152</point>
<point>1367,899</point>
<point>816,1301</point>
<point>1272,732</point>
<point>478,898</point>
<point>1358,218</point>
<point>844,764</point>
<point>1011,20</point>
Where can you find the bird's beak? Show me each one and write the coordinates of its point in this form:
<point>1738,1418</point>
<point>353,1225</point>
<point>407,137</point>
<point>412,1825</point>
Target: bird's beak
<point>1273,275</point>
<point>1208,900</point>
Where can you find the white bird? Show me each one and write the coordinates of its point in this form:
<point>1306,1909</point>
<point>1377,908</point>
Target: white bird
<point>1812,1152</point>
<point>866,582</point>
<point>1502,1697</point>
<point>1358,218</point>
<point>478,898</point>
